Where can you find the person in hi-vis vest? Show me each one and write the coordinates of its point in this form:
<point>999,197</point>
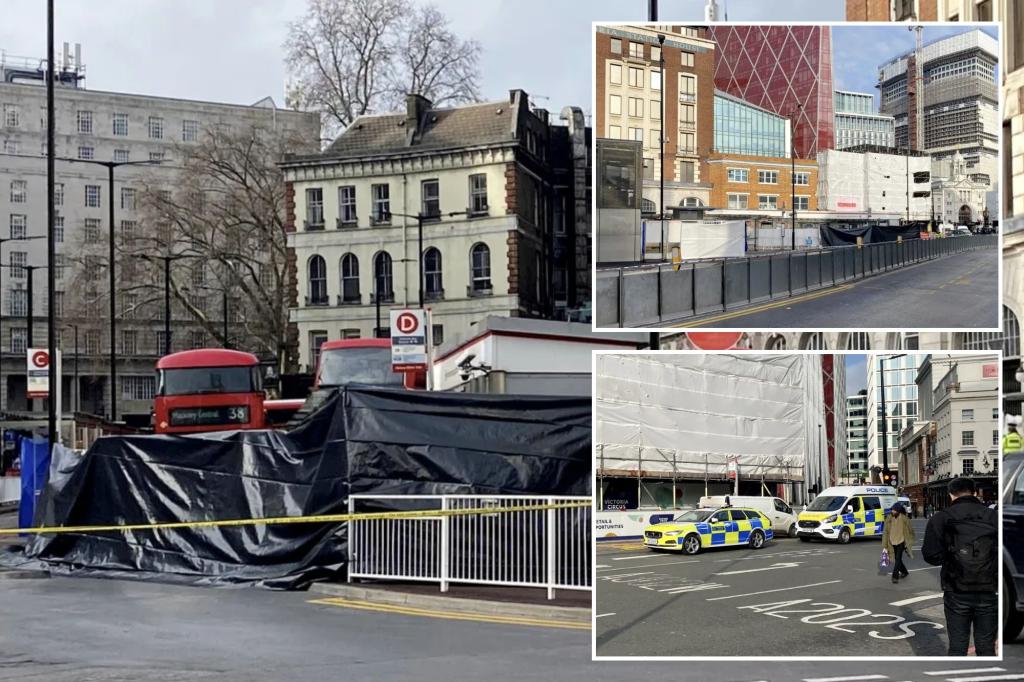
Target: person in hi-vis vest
<point>1012,440</point>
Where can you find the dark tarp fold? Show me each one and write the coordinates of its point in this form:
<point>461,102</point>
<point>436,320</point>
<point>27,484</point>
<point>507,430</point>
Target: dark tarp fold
<point>872,234</point>
<point>399,442</point>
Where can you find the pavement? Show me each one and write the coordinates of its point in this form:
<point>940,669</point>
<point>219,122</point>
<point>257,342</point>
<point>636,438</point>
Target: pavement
<point>791,598</point>
<point>959,291</point>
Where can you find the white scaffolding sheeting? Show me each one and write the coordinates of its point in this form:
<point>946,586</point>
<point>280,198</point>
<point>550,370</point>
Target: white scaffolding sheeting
<point>704,238</point>
<point>691,413</point>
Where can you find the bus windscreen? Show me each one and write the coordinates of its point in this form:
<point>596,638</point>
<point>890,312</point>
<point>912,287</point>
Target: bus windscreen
<point>200,380</point>
<point>358,366</point>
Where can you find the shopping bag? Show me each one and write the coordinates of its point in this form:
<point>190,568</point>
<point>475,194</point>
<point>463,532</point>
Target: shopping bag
<point>883,561</point>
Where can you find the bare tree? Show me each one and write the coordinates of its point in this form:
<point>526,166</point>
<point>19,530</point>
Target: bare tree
<point>354,57</point>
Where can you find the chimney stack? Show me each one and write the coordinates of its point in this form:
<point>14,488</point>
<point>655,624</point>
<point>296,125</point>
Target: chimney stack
<point>416,106</point>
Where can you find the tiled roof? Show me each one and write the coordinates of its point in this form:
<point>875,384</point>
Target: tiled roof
<point>465,126</point>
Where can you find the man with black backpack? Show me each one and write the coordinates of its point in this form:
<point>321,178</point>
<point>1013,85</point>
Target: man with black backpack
<point>963,540</point>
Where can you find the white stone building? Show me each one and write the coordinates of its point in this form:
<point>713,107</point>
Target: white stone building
<point>504,196</point>
<point>957,197</point>
<point>99,126</point>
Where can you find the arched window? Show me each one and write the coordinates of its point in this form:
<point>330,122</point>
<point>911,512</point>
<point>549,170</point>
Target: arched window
<point>382,274</point>
<point>858,341</point>
<point>317,281</point>
<point>1008,339</point>
<point>480,262</point>
<point>433,286</point>
<point>776,342</point>
<point>350,279</point>
<point>814,341</point>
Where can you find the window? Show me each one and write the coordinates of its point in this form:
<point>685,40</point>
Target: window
<point>58,194</point>
<point>983,10</point>
<point>686,171</point>
<point>615,132</point>
<point>656,109</point>
<point>995,437</point>
<point>636,134</point>
<point>801,178</point>
<point>434,285</point>
<point>636,50</point>
<point>128,198</point>
<point>687,143</point>
<point>615,105</point>
<point>316,340</point>
<point>156,156</point>
<point>871,503</point>
<point>58,228</point>
<point>966,415</point>
<point>58,262</point>
<point>17,226</point>
<point>995,413</point>
<point>801,203</point>
<point>768,177</point>
<point>478,193</point>
<point>654,141</point>
<point>19,191</point>
<point>141,387</point>
<point>156,128</point>
<point>129,341</point>
<point>686,59</point>
<point>92,342</point>
<point>11,147</point>
<point>767,201</point>
<point>189,131</point>
<point>84,120</point>
<point>687,87</point>
<point>19,340</point>
<point>687,115</point>
<point>86,153</point>
<point>738,175</point>
<point>381,203</point>
<point>636,77</point>
<point>616,46</point>
<point>12,116</point>
<point>615,74</point>
<point>382,274</point>
<point>480,268</point>
<point>967,438</point>
<point>19,303</point>
<point>121,155</point>
<point>92,230</point>
<point>437,337</point>
<point>656,80</point>
<point>128,233</point>
<point>350,334</point>
<point>347,204</point>
<point>317,281</point>
<point>120,124</point>
<point>350,279</point>
<point>737,200</point>
<point>902,10</point>
<point>314,208</point>
<point>17,263</point>
<point>968,466</point>
<point>636,107</point>
<point>430,199</point>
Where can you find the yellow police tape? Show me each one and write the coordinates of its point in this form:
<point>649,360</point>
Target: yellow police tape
<point>325,518</point>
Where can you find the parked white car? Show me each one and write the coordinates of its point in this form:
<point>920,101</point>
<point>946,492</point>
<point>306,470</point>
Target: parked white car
<point>782,516</point>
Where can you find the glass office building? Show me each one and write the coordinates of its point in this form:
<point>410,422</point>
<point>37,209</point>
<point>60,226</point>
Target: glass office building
<point>785,69</point>
<point>858,123</point>
<point>742,128</point>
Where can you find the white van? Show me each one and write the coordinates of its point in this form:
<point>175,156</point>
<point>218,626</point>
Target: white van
<point>846,511</point>
<point>782,516</point>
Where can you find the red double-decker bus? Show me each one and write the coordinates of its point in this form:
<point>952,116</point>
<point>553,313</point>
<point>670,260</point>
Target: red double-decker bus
<point>208,389</point>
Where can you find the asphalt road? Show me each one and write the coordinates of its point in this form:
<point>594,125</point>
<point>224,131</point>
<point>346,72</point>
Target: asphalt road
<point>789,599</point>
<point>958,291</point>
<point>66,629</point>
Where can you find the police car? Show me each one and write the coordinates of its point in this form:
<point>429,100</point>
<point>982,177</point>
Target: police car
<point>843,512</point>
<point>699,529</point>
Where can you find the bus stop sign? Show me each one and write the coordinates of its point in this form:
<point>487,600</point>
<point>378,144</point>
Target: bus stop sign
<point>408,340</point>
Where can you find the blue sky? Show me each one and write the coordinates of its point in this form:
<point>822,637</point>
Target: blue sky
<point>856,68</point>
<point>179,48</point>
<point>856,373</point>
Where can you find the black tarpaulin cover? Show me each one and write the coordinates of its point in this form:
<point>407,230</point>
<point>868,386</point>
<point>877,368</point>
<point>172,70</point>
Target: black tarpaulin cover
<point>872,234</point>
<point>398,442</point>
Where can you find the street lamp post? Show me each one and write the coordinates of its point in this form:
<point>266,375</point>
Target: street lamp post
<point>792,174</point>
<point>167,294</point>
<point>419,217</point>
<point>821,464</point>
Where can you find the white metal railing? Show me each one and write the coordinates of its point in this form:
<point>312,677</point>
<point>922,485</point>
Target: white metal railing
<point>547,548</point>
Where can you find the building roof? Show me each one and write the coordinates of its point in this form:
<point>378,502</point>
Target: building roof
<point>476,125</point>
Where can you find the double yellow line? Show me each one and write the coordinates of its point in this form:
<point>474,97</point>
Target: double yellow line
<point>280,520</point>
<point>767,306</point>
<point>449,615</point>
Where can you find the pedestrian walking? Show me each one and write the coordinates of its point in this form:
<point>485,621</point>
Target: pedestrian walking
<point>897,539</point>
<point>962,538</point>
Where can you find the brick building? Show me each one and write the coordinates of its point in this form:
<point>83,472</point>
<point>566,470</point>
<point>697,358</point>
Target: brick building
<point>628,96</point>
<point>756,182</point>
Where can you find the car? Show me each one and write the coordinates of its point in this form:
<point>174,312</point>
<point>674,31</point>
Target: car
<point>843,512</point>
<point>1013,545</point>
<point>775,508</point>
<point>699,529</point>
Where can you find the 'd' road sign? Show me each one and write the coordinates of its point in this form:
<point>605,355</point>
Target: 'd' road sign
<point>408,340</point>
<point>714,340</point>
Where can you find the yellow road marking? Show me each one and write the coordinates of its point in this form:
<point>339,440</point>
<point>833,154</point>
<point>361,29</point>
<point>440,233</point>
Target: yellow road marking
<point>632,546</point>
<point>448,615</point>
<point>767,306</point>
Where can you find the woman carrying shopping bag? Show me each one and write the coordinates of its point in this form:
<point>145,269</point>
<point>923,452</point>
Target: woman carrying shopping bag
<point>897,538</point>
